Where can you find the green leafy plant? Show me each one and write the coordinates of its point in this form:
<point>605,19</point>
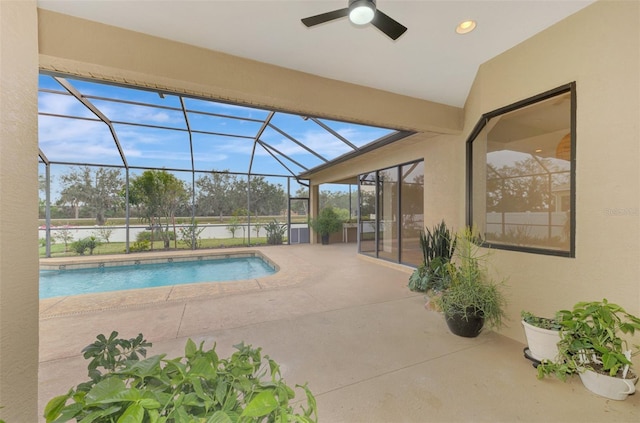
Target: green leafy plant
<point>147,235</point>
<point>256,228</point>
<point>275,232</point>
<point>139,246</point>
<point>104,232</point>
<point>111,353</point>
<point>591,339</point>
<point>64,235</point>
<point>199,387</point>
<point>81,246</point>
<point>233,226</point>
<point>190,235</point>
<point>471,291</point>
<point>540,322</point>
<point>438,246</point>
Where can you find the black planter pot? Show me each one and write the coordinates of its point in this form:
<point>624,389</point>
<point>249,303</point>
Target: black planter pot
<point>468,327</point>
<point>325,239</point>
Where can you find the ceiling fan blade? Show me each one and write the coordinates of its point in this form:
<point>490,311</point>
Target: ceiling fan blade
<point>325,17</point>
<point>389,26</point>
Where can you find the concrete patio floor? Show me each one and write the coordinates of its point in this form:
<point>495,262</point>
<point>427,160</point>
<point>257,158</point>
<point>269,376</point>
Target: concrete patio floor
<point>346,325</point>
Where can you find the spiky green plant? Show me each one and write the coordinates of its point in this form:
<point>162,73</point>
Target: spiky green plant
<point>438,246</point>
<point>471,290</point>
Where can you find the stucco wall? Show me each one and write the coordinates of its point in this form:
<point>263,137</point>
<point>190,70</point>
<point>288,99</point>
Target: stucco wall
<point>599,48</point>
<point>18,211</point>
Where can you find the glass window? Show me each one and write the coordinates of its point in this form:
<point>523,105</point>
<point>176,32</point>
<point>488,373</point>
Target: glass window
<point>412,207</point>
<point>388,213</point>
<point>522,174</point>
<point>367,221</point>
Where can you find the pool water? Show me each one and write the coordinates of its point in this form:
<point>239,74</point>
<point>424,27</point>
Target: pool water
<point>57,283</point>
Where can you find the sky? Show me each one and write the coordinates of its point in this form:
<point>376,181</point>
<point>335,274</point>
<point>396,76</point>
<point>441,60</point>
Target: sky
<point>70,132</point>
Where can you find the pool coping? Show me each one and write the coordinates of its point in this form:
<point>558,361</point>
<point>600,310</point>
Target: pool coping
<point>85,303</point>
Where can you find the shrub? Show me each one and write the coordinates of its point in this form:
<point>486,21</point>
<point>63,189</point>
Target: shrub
<point>275,232</point>
<point>81,246</point>
<point>140,246</point>
<point>104,232</point>
<point>157,235</point>
<point>190,236</point>
<point>233,226</point>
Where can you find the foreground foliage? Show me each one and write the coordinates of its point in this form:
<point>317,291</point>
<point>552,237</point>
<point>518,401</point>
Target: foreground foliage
<point>200,387</point>
<point>594,335</point>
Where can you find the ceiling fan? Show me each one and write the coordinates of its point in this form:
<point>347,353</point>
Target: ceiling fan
<point>361,12</point>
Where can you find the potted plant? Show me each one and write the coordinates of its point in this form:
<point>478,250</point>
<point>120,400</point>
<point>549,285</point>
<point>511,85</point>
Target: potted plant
<point>326,223</point>
<point>592,345</point>
<point>543,335</point>
<point>438,246</point>
<point>472,299</point>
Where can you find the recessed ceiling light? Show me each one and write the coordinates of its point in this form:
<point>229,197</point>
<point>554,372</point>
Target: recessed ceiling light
<point>465,27</point>
<point>538,150</point>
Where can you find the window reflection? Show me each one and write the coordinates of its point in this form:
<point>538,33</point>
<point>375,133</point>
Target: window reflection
<point>522,174</point>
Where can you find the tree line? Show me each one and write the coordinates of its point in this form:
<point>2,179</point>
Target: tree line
<point>99,193</point>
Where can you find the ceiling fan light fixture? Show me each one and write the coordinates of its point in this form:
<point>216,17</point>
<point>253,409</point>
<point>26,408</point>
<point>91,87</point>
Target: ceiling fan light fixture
<point>361,12</point>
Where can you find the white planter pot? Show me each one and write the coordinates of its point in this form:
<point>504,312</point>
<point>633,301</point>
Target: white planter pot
<point>613,388</point>
<point>542,343</point>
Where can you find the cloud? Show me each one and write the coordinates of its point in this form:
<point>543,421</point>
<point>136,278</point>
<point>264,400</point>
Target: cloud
<point>62,105</point>
<point>77,140</point>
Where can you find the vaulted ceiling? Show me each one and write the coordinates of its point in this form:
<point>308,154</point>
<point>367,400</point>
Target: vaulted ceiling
<point>430,61</point>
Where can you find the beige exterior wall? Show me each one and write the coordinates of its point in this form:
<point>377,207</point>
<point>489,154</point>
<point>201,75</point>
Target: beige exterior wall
<point>18,211</point>
<point>599,48</point>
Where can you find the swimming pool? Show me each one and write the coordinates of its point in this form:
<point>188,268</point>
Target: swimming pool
<point>66,280</point>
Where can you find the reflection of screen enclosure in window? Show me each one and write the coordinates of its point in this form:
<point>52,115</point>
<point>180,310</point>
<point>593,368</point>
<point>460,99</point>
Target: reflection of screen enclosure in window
<point>521,175</point>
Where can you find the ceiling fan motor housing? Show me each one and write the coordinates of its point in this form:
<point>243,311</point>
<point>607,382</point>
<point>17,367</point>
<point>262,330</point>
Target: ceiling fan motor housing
<point>367,3</point>
<point>361,11</point>
<point>371,2</point>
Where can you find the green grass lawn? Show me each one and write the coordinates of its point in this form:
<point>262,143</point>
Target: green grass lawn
<point>57,250</point>
<point>118,221</point>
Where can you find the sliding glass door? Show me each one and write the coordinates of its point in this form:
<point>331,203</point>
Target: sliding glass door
<point>412,206</point>
<point>367,214</point>
<point>388,214</point>
<point>391,213</point>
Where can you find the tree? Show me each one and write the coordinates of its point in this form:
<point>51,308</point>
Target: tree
<point>301,206</point>
<point>267,199</point>
<point>158,194</point>
<point>213,191</point>
<point>96,190</point>
<point>221,194</point>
